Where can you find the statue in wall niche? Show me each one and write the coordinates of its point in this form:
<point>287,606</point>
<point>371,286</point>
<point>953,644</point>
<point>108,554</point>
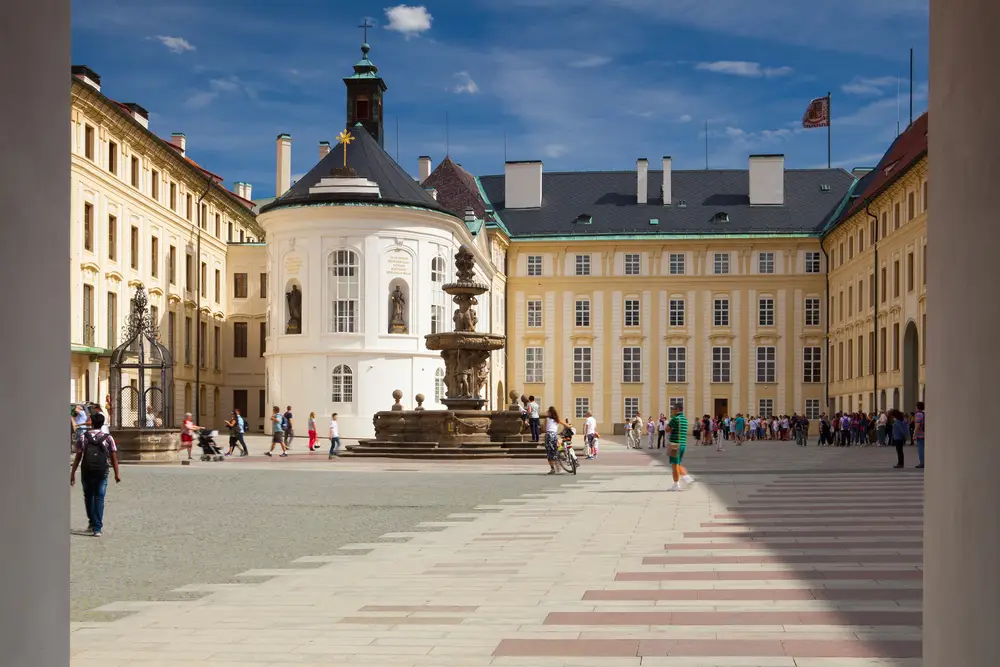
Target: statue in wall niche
<point>397,324</point>
<point>293,299</point>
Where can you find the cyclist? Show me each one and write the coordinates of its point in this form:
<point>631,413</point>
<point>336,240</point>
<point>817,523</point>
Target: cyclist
<point>552,424</point>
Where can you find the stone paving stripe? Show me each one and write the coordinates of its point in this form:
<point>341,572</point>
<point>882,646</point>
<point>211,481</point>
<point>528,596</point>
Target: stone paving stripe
<point>766,594</point>
<point>805,533</point>
<point>401,620</point>
<point>807,523</point>
<point>796,545</point>
<point>839,558</point>
<point>733,618</point>
<point>832,496</point>
<point>873,506</point>
<point>693,648</point>
<point>456,609</point>
<point>774,575</point>
<point>832,513</point>
<point>512,538</point>
<point>481,563</point>
<point>526,533</point>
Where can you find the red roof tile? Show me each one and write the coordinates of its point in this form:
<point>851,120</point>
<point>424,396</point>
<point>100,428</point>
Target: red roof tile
<point>456,189</point>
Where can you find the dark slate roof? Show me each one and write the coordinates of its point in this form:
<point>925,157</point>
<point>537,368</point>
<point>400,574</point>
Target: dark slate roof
<point>370,161</point>
<point>610,199</point>
<point>456,189</point>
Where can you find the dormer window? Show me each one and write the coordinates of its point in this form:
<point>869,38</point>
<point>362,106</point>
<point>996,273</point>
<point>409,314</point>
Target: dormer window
<point>721,216</point>
<point>682,203</point>
<point>584,219</point>
<point>362,109</point>
<point>824,187</point>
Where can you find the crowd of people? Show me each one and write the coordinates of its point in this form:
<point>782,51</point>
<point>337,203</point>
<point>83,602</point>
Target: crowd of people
<point>708,430</point>
<point>882,429</point>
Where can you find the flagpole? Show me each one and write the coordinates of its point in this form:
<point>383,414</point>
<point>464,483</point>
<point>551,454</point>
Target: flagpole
<point>911,87</point>
<point>829,131</point>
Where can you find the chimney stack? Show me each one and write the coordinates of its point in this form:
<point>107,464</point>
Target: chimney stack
<point>87,76</point>
<point>522,183</point>
<point>283,179</point>
<point>140,115</point>
<point>247,191</point>
<point>324,149</point>
<point>238,188</point>
<point>424,163</point>
<point>667,180</point>
<point>642,184</point>
<point>178,139</point>
<point>767,180</point>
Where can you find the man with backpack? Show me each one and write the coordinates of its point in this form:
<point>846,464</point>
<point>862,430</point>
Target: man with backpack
<point>95,456</point>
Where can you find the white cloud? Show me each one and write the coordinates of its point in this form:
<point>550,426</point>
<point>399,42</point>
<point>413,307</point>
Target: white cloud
<point>860,85</point>
<point>554,150</point>
<point>686,118</point>
<point>175,44</point>
<point>743,68</point>
<point>216,87</point>
<point>465,84</point>
<point>592,61</point>
<point>408,21</point>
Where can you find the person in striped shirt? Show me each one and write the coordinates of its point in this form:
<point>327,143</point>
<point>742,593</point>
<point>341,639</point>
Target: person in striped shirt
<point>678,429</point>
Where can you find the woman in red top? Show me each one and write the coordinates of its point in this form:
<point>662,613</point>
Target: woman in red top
<point>187,433</point>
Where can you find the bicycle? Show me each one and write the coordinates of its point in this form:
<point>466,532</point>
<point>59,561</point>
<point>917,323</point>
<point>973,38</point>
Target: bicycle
<point>566,456</point>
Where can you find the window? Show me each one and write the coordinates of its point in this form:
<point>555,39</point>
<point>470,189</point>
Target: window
<point>721,311</point>
<point>534,265</point>
<point>241,236</point>
<point>925,194</point>
<point>362,109</point>
<point>840,254</point>
<point>840,310</point>
<point>187,341</point>
<point>203,345</point>
<point>765,262</point>
<point>240,335</point>
<point>533,367</point>
<point>861,356</point>
<point>88,227</point>
<point>218,226</point>
<point>88,142</point>
<point>812,262</point>
<point>911,205</point>
<point>850,359</point>
<point>535,313</point>
<point>884,281</point>
<point>134,248</point>
<point>135,172</point>
<point>218,286</point>
<point>203,218</point>
<point>812,364</point>
<point>112,321</point>
<point>188,272</point>
<point>721,263</point>
<point>263,338</point>
<point>154,257</point>
<point>229,232</point>
<point>112,238</point>
<point>895,216</point>
<point>261,402</point>
<point>833,308</point>
<point>677,365</point>
<point>812,408</point>
<point>88,316</point>
<point>217,348</point>
<point>850,300</point>
<point>812,311</point>
<point>850,248</point>
<point>632,264</point>
<point>677,264</point>
<point>263,285</point>
<point>923,338</point>
<point>676,312</point>
<point>910,282</point>
<point>721,359</point>
<point>171,332</point>
<point>631,407</point>
<point>345,288</point>
<point>885,224</point>
<point>895,279</point>
<point>676,402</point>
<point>172,265</point>
<point>203,280</point>
<point>439,387</point>
<point>583,313</point>
<point>188,206</point>
<point>631,312</point>
<point>154,185</point>
<point>581,364</point>
<point>766,364</point>
<point>765,407</point>
<point>343,385</point>
<point>840,361</point>
<point>113,157</point>
<point>861,241</point>
<point>240,288</point>
<point>895,346</point>
<point>765,312</point>
<point>173,197</point>
<point>437,319</point>
<point>583,265</point>
<point>581,406</point>
<point>437,270</point>
<point>923,265</point>
<point>871,353</point>
<point>861,296</point>
<point>631,364</point>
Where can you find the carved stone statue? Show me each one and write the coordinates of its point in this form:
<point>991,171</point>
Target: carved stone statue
<point>397,324</point>
<point>293,299</point>
<point>465,317</point>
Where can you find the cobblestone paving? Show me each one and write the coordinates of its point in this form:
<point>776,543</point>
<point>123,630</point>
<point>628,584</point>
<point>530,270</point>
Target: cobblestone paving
<point>777,556</point>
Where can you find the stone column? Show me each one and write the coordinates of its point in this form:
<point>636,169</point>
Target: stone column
<point>95,382</point>
<point>34,354</point>
<point>961,529</point>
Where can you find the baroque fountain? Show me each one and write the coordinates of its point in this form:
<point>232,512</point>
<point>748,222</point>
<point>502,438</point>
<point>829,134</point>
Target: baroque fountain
<point>464,429</point>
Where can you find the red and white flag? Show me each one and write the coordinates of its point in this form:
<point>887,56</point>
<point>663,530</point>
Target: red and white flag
<point>817,113</point>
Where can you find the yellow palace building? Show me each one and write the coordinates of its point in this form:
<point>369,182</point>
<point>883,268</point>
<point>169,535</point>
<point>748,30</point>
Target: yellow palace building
<point>877,249</point>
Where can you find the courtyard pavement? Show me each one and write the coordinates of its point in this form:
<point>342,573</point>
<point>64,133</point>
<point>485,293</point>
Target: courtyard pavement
<point>778,556</point>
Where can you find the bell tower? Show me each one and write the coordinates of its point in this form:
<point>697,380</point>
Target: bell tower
<point>364,94</point>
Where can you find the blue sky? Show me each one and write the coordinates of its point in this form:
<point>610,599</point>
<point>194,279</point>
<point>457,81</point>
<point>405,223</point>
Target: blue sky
<point>580,84</point>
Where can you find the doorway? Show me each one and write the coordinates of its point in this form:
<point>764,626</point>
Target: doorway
<point>721,407</point>
<point>911,361</point>
<point>240,402</point>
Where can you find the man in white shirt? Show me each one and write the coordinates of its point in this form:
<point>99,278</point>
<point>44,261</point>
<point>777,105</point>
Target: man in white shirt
<point>533,418</point>
<point>590,434</point>
<point>334,436</point>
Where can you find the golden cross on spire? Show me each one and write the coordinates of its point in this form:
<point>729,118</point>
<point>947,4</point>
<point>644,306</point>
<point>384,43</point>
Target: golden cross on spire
<point>345,138</point>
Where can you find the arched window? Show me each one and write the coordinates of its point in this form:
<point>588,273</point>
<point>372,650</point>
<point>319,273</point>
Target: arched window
<point>438,299</point>
<point>439,388</point>
<point>187,398</point>
<point>343,385</point>
<point>438,269</point>
<point>202,402</point>
<point>345,291</point>
<point>216,399</point>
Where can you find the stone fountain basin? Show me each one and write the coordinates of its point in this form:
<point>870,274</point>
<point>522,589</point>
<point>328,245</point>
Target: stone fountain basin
<point>471,289</point>
<point>464,340</point>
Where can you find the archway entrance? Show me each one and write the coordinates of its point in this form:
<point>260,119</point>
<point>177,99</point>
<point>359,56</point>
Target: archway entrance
<point>911,368</point>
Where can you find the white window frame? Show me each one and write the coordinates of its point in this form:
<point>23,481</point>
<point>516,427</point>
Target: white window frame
<point>437,319</point>
<point>631,407</point>
<point>534,365</point>
<point>583,365</point>
<point>676,365</point>
<point>812,311</point>
<point>581,311</point>
<point>633,264</point>
<point>342,384</point>
<point>633,308</point>
<point>677,313</point>
<point>722,365</point>
<point>631,364</point>
<point>677,401</point>
<point>534,265</point>
<point>720,311</point>
<point>720,264</point>
<point>765,311</point>
<point>534,313</point>
<point>344,274</point>
<point>812,261</point>
<point>582,265</point>
<point>765,263</point>
<point>765,407</point>
<point>812,408</point>
<point>581,406</point>
<point>677,264</point>
<point>767,364</point>
<point>440,390</point>
<point>812,364</point>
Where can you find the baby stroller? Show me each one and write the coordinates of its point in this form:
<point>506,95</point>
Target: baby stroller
<point>209,450</point>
